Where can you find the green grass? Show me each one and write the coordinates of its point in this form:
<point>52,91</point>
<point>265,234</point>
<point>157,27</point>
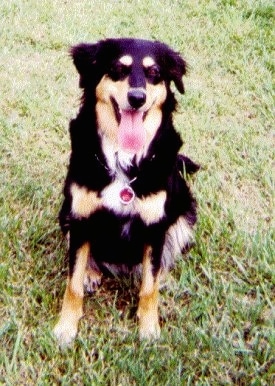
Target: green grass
<point>217,312</point>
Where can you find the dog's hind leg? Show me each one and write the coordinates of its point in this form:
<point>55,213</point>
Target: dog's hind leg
<point>93,276</point>
<point>148,299</point>
<point>72,307</point>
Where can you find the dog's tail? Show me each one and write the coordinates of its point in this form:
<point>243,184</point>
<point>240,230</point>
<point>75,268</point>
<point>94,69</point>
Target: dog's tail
<point>186,165</point>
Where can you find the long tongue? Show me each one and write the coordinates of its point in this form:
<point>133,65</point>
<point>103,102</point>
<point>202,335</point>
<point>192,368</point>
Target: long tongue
<point>131,132</point>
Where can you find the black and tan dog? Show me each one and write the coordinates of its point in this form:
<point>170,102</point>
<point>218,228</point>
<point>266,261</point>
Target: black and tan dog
<point>126,203</point>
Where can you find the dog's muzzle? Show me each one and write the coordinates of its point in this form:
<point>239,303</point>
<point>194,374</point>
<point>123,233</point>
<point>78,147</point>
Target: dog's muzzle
<point>136,97</point>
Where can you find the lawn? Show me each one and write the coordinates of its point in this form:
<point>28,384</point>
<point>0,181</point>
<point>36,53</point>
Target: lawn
<point>217,311</point>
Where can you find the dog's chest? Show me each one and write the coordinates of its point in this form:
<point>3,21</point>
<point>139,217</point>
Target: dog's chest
<point>119,197</point>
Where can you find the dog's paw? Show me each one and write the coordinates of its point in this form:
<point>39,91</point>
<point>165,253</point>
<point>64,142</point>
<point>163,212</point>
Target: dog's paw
<point>150,332</point>
<point>64,333</point>
<point>149,328</point>
<point>92,280</point>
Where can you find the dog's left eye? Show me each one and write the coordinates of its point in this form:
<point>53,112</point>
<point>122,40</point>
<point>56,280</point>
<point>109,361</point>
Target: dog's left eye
<point>119,71</point>
<point>153,73</point>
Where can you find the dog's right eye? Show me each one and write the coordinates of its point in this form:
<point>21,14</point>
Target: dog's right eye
<point>119,71</point>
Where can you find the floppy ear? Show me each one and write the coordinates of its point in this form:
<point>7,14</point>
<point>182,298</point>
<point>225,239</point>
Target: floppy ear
<point>84,58</point>
<point>176,67</point>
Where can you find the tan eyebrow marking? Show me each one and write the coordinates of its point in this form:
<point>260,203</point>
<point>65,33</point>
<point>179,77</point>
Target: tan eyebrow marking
<point>127,60</point>
<point>148,61</point>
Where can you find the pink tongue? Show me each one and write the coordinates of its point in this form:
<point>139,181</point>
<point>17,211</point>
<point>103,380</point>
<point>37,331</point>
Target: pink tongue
<point>131,133</point>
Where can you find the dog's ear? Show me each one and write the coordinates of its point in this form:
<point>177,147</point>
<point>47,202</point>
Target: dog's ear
<point>176,67</point>
<point>84,58</point>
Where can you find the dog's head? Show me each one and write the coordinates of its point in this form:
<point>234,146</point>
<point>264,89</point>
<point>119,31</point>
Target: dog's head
<point>131,81</point>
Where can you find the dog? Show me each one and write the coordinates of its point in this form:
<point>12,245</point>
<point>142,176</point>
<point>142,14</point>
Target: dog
<point>127,206</point>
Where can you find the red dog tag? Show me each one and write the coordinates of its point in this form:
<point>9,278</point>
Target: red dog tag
<point>126,195</point>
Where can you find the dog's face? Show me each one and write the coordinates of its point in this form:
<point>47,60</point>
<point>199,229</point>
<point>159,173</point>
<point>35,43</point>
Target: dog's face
<point>131,79</point>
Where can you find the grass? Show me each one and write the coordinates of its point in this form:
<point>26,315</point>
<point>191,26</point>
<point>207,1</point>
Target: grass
<point>217,313</point>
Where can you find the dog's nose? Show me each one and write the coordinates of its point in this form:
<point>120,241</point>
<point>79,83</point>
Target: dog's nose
<point>136,98</point>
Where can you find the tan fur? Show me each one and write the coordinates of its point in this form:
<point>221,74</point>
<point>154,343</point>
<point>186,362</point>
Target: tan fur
<point>104,109</point>
<point>151,124</point>
<point>71,312</point>
<point>151,208</point>
<point>148,300</point>
<point>127,60</point>
<point>84,202</point>
<point>148,61</point>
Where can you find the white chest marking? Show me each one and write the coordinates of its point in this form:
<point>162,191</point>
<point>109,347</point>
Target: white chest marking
<point>150,209</point>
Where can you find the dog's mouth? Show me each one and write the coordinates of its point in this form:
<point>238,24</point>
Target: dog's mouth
<point>131,132</point>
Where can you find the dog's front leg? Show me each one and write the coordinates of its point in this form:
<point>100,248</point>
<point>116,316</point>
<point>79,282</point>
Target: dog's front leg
<point>72,307</point>
<point>148,299</point>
